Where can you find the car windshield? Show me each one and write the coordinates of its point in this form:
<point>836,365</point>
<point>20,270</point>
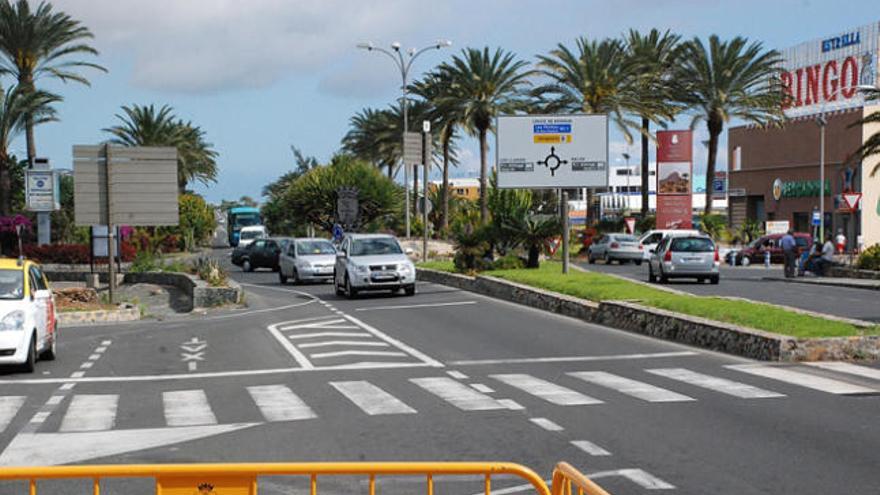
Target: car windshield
<point>692,245</point>
<point>305,248</point>
<point>375,246</point>
<point>11,284</point>
<point>247,221</point>
<point>251,234</point>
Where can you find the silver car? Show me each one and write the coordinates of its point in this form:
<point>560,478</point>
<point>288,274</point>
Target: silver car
<point>685,256</point>
<point>369,262</point>
<point>306,260</point>
<point>615,247</point>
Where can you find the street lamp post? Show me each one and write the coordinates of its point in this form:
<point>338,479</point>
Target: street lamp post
<point>628,172</point>
<point>404,65</point>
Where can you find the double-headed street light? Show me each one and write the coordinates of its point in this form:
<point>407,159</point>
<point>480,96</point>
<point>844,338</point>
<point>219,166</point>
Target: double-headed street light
<point>403,65</point>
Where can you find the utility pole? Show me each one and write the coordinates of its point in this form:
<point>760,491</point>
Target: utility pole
<point>111,232</point>
<point>426,157</point>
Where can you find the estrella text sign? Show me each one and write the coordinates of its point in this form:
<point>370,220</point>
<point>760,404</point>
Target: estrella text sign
<point>552,128</point>
<point>552,138</point>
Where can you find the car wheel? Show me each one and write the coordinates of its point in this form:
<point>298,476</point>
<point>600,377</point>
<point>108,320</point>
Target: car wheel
<point>606,259</point>
<point>52,352</point>
<point>339,291</point>
<point>246,266</point>
<point>662,278</point>
<point>282,277</point>
<point>30,363</point>
<point>714,280</point>
<point>745,261</point>
<point>350,291</point>
<point>295,277</point>
<point>276,268</point>
<point>638,262</point>
<point>651,277</point>
<point>590,259</point>
<point>410,291</point>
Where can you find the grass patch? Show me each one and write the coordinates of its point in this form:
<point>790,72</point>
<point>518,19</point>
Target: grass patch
<point>443,266</point>
<point>599,287</point>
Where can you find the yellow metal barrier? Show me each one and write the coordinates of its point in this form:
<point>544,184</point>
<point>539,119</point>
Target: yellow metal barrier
<point>564,476</point>
<point>241,479</point>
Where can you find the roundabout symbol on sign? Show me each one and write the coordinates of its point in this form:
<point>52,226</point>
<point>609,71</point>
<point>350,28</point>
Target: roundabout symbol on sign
<point>552,158</point>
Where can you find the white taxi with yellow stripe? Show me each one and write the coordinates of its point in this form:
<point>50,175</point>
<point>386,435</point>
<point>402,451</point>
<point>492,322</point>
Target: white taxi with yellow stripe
<point>28,329</point>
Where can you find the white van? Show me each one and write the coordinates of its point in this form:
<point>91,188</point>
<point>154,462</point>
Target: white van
<point>651,238</point>
<point>252,233</point>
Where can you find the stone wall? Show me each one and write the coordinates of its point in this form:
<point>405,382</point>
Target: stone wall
<point>667,325</point>
<point>80,318</point>
<point>846,272</point>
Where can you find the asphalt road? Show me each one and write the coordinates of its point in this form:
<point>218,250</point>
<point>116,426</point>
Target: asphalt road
<point>304,375</point>
<point>748,282</point>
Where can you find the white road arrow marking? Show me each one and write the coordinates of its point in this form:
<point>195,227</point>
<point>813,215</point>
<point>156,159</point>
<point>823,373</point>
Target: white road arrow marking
<point>194,351</point>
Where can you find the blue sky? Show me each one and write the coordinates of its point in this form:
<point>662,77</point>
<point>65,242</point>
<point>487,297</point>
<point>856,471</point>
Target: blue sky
<point>262,75</point>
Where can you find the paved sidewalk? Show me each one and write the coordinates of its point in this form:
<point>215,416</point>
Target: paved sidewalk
<point>852,283</point>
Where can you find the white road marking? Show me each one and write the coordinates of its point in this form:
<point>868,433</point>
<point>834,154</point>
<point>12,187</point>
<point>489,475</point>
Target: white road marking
<point>458,375</point>
<point>458,394</point>
<point>301,320</point>
<point>716,384</point>
<point>316,324</point>
<point>479,387</point>
<point>279,403</point>
<point>344,342</point>
<point>848,368</point>
<point>54,400</point>
<point>567,359</point>
<point>372,399</point>
<point>551,392</point>
<point>86,365</point>
<point>187,408</point>
<point>106,342</point>
<point>90,413</point>
<point>321,355</point>
<point>192,365</point>
<point>803,379</point>
<point>46,449</point>
<point>412,306</point>
<point>590,448</point>
<point>640,477</point>
<point>100,350</point>
<point>328,334</point>
<point>94,357</point>
<point>633,388</point>
<point>40,416</point>
<point>511,404</point>
<point>546,424</point>
<point>293,351</point>
<point>396,343</point>
<point>67,386</point>
<point>78,374</point>
<point>9,407</point>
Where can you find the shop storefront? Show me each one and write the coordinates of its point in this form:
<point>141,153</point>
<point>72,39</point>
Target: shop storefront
<point>774,173</point>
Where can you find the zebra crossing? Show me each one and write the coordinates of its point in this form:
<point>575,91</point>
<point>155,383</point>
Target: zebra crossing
<point>281,403</point>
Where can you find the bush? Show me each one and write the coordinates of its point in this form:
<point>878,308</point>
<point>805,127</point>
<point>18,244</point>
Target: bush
<point>870,258</point>
<point>714,225</point>
<point>71,253</point>
<point>508,262</point>
<point>210,270</point>
<point>645,224</point>
<point>471,244</point>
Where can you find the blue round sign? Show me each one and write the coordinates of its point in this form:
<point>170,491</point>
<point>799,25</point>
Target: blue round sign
<point>41,183</point>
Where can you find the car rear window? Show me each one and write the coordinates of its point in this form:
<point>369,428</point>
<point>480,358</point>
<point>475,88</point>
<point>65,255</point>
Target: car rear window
<point>692,245</point>
<point>625,238</point>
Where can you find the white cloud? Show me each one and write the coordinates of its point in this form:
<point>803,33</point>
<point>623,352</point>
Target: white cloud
<point>205,45</point>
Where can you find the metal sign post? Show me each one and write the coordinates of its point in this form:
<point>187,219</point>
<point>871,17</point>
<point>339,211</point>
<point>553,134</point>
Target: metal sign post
<point>111,249</point>
<point>565,229</point>
<point>426,157</point>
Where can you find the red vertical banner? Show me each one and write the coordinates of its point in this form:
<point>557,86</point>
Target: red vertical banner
<point>674,179</point>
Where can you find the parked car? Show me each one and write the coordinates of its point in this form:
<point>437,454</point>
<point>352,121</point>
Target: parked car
<point>28,321</point>
<point>369,262</point>
<point>306,259</point>
<point>615,247</point>
<point>261,253</point>
<point>249,234</point>
<point>651,238</point>
<point>754,252</point>
<point>691,256</point>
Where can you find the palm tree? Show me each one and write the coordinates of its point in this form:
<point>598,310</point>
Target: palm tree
<point>654,56</point>
<point>728,79</point>
<point>17,109</point>
<point>597,77</point>
<point>370,138</point>
<point>40,43</point>
<point>871,146</point>
<point>483,85</point>
<point>147,126</point>
<point>447,113</point>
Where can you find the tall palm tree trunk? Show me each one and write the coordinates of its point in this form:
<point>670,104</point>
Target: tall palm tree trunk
<point>484,173</point>
<point>5,185</point>
<point>715,125</point>
<point>390,170</point>
<point>26,82</point>
<point>646,172</point>
<point>444,193</point>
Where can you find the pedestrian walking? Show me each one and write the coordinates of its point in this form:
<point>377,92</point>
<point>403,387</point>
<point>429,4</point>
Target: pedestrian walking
<point>790,253</point>
<point>826,259</point>
<point>840,241</point>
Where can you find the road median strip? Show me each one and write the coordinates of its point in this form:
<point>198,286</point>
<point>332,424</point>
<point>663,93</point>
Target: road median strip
<point>746,328</point>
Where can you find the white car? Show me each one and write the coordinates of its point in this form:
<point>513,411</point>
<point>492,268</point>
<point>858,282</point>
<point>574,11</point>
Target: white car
<point>251,233</point>
<point>651,238</point>
<point>371,262</point>
<point>28,329</point>
<point>306,259</point>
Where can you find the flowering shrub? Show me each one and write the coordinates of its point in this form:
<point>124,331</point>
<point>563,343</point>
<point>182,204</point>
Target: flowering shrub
<point>8,224</point>
<point>71,253</point>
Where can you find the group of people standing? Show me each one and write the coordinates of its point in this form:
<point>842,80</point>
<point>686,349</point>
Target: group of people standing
<point>817,260</point>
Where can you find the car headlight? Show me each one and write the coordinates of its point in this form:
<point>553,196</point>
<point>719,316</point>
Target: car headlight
<point>304,265</point>
<point>360,268</point>
<point>406,268</point>
<point>13,321</point>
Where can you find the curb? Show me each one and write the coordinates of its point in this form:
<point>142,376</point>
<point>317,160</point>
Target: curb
<point>83,318</point>
<point>847,285</point>
<point>699,332</point>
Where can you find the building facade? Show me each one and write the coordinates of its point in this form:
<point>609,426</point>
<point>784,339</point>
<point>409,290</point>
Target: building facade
<point>774,172</point>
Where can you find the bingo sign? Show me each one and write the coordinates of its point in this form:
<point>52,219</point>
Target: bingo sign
<point>552,151</point>
<point>824,74</point>
<point>674,175</point>
<point>42,190</point>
